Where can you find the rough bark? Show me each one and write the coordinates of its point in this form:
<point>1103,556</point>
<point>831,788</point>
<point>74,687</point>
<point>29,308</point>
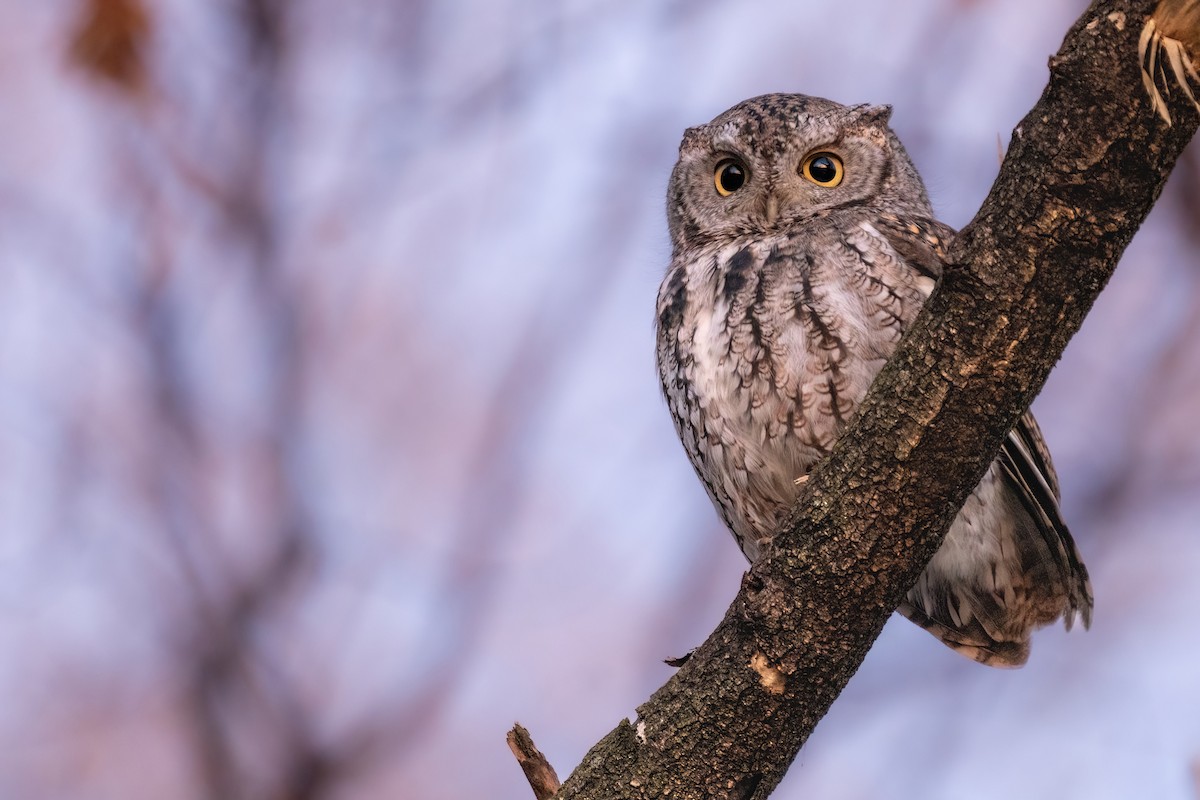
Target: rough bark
<point>1082,171</point>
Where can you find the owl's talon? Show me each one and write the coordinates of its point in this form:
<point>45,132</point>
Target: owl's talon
<point>803,479</point>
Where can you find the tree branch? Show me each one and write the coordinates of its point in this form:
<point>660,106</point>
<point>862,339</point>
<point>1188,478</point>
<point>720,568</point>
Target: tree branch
<point>1083,169</point>
<point>541,776</point>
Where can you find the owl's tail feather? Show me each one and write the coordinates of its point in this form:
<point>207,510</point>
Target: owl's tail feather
<point>972,641</point>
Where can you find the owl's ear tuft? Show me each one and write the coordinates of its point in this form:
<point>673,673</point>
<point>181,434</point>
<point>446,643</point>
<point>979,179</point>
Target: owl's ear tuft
<point>692,139</point>
<point>878,115</point>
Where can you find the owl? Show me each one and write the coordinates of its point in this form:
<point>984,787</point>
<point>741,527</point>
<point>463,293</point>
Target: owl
<point>803,245</point>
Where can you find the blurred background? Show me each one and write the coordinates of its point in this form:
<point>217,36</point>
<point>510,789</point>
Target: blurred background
<point>330,435</point>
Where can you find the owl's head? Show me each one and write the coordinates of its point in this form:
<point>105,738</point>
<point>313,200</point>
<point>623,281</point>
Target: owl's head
<point>776,160</point>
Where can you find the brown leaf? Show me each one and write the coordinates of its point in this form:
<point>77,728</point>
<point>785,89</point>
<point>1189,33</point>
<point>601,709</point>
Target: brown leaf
<point>110,42</point>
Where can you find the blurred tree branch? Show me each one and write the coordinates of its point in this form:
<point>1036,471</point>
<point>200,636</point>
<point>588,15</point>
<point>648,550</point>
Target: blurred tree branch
<point>234,656</point>
<point>231,680</point>
<point>1083,170</point>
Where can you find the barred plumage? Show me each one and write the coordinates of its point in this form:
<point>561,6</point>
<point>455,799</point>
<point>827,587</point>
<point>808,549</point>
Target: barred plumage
<point>803,245</point>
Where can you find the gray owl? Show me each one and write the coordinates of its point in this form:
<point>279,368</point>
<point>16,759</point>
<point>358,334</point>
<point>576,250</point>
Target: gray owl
<point>803,245</point>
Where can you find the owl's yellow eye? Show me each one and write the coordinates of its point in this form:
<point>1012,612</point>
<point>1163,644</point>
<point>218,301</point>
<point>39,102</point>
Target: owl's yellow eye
<point>824,169</point>
<point>729,176</point>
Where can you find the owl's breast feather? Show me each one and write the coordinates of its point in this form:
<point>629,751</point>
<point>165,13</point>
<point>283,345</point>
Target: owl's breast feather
<point>777,341</point>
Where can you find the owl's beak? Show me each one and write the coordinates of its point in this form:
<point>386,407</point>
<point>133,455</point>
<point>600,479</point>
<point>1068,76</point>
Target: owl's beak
<point>770,208</point>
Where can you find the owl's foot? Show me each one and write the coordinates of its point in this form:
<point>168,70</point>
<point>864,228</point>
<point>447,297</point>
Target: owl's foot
<point>803,479</point>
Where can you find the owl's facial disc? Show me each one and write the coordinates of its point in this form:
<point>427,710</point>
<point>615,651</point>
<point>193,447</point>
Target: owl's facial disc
<point>777,161</point>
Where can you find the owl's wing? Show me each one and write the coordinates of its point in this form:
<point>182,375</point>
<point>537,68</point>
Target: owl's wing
<point>1028,437</point>
<point>920,241</point>
<point>1029,474</point>
<point>1042,575</point>
<point>1023,571</point>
